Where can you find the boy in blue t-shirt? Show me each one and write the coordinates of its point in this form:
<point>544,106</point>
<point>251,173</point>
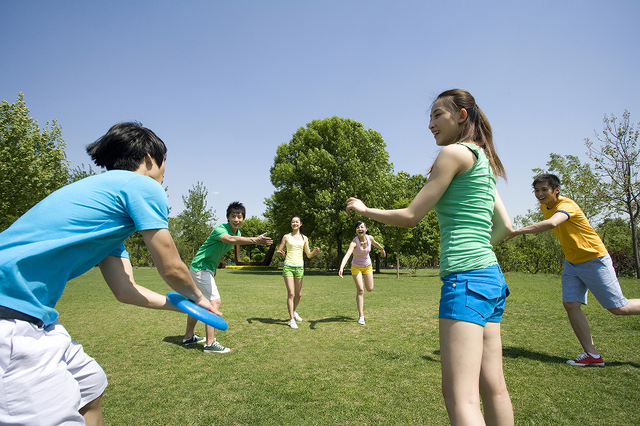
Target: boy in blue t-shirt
<point>43,373</point>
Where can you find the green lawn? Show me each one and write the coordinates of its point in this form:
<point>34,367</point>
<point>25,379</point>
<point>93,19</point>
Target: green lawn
<point>331,371</point>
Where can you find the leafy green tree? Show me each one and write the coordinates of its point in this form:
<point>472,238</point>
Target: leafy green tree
<point>33,163</point>
<point>325,163</point>
<point>579,182</point>
<point>421,244</point>
<point>617,161</point>
<point>80,172</point>
<point>253,227</point>
<point>195,221</point>
<point>397,238</point>
<point>531,252</point>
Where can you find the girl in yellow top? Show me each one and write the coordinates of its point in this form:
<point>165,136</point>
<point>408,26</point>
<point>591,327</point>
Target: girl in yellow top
<point>293,270</point>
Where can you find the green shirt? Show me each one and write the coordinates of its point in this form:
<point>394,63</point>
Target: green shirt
<point>210,253</point>
<point>464,216</point>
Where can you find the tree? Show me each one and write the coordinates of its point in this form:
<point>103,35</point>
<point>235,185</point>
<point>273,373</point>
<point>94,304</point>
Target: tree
<point>80,172</point>
<point>617,161</point>
<point>253,227</point>
<point>33,163</point>
<point>195,222</point>
<point>579,182</point>
<point>398,237</point>
<point>324,164</point>
<point>531,253</point>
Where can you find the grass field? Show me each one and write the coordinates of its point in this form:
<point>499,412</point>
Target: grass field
<point>331,371</point>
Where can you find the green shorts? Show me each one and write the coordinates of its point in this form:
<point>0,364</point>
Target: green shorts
<point>293,271</point>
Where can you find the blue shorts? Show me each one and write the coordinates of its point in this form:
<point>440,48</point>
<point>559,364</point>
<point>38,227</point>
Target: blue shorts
<point>596,275</point>
<point>476,296</point>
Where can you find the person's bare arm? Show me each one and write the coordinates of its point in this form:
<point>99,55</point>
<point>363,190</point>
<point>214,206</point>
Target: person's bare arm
<point>118,274</point>
<point>452,160</point>
<point>236,240</point>
<point>501,223</point>
<point>545,225</point>
<point>352,246</point>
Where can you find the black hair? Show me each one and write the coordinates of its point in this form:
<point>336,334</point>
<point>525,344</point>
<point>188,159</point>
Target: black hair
<point>236,207</point>
<point>360,222</point>
<point>295,215</point>
<point>124,147</point>
<point>552,180</point>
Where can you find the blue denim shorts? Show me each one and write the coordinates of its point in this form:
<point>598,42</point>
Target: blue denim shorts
<point>476,296</point>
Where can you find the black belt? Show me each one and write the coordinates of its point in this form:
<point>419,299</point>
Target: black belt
<point>8,313</point>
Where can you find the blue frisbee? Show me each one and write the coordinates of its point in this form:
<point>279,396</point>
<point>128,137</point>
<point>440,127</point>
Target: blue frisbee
<point>196,311</point>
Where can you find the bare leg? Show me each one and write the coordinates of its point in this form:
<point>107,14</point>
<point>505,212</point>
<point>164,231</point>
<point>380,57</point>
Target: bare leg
<point>298,293</point>
<point>208,329</point>
<point>288,282</point>
<point>368,282</point>
<point>498,410</point>
<point>631,308</point>
<point>92,412</point>
<point>461,345</point>
<point>191,327</point>
<point>580,326</point>
<point>359,294</point>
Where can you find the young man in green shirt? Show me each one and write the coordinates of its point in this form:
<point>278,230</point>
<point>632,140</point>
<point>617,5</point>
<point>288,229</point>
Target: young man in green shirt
<point>204,265</point>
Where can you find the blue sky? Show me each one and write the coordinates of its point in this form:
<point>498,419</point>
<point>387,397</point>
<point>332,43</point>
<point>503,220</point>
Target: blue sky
<point>223,83</point>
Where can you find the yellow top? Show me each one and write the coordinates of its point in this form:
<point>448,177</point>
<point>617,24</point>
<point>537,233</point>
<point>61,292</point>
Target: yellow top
<point>579,241</point>
<point>295,247</point>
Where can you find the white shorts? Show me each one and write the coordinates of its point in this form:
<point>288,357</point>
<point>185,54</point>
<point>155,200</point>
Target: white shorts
<point>45,377</point>
<point>205,282</point>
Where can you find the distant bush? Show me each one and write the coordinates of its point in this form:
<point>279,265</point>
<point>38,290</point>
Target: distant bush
<point>623,263</point>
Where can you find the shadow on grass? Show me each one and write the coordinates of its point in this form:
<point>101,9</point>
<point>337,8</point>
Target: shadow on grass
<point>177,340</point>
<point>269,321</point>
<point>511,352</point>
<point>312,323</point>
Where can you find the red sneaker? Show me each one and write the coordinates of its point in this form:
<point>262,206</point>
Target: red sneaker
<point>584,359</point>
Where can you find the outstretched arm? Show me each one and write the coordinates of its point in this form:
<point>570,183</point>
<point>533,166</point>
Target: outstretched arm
<point>452,160</point>
<point>545,225</point>
<point>118,274</point>
<point>236,240</point>
<point>378,245</point>
<point>346,257</point>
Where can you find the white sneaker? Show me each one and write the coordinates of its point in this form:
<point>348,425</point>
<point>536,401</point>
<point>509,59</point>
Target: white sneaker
<point>296,316</point>
<point>293,324</point>
<point>361,320</point>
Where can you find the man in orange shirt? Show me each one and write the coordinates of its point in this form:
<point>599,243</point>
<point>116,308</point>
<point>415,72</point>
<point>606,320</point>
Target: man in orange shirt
<point>587,264</point>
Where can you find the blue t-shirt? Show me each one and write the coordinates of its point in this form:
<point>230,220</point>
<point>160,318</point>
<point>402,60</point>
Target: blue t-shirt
<point>70,232</point>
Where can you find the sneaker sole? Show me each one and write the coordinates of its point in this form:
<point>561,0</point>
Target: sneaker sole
<point>216,352</point>
<point>576,364</point>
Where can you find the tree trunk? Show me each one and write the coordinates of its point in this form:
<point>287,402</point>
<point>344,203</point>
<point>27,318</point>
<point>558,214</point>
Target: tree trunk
<point>634,238</point>
<point>340,254</point>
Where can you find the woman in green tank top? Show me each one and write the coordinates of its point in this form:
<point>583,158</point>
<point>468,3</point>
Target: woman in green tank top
<point>461,188</point>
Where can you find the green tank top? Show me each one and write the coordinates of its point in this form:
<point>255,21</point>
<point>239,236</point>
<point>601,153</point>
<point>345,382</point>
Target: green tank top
<point>464,217</point>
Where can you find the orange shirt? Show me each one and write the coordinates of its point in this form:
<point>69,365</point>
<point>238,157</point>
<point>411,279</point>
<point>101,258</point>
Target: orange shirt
<point>578,239</point>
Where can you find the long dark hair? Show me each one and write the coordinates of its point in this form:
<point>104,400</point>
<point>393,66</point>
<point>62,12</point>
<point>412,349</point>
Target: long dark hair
<point>476,127</point>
